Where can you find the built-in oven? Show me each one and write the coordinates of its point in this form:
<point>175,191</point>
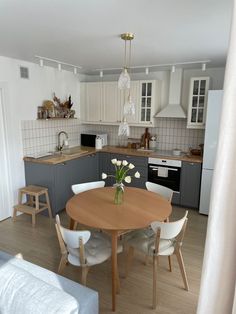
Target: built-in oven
<point>166,172</point>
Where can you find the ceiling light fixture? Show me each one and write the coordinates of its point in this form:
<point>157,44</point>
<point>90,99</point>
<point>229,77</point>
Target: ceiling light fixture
<point>147,71</point>
<point>124,79</point>
<point>204,67</point>
<point>160,65</point>
<point>101,73</point>
<point>58,63</point>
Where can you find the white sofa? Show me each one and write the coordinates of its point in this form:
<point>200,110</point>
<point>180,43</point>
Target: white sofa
<point>26,288</point>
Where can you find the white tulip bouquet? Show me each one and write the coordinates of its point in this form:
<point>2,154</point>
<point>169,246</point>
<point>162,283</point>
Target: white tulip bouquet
<point>121,174</point>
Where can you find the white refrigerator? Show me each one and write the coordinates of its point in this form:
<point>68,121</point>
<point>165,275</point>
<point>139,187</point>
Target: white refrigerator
<point>214,106</point>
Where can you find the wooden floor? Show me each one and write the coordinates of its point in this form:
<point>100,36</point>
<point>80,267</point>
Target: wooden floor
<point>40,246</point>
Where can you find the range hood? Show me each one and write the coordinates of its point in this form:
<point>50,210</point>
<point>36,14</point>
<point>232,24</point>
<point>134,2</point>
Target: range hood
<point>173,108</point>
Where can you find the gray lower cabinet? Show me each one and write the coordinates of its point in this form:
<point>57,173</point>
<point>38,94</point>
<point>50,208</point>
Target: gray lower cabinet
<point>141,165</point>
<point>190,184</point>
<point>59,178</point>
<point>105,166</point>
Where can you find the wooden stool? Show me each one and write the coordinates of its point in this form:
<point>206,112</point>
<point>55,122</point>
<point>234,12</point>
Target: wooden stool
<point>33,206</point>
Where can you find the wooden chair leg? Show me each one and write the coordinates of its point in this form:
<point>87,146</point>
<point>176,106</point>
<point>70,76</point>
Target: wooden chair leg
<point>154,291</point>
<point>75,225</point>
<point>48,205</point>
<point>14,214</point>
<point>20,197</point>
<point>85,270</point>
<point>182,268</point>
<point>62,264</point>
<point>31,200</point>
<point>129,260</point>
<point>33,219</point>
<point>170,265</point>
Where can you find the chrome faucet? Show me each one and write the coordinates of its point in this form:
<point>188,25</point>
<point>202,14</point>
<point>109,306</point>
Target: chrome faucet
<point>59,146</point>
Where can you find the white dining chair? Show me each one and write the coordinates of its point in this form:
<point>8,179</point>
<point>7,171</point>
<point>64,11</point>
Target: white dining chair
<point>167,193</point>
<point>166,241</point>
<point>82,187</point>
<point>82,248</point>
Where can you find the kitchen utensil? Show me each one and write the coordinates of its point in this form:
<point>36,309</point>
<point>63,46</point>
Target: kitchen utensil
<point>152,144</point>
<point>98,143</point>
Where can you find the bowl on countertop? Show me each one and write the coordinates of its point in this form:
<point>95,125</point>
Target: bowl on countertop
<point>176,152</point>
<point>195,152</point>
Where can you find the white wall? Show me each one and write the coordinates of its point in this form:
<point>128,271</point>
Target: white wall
<point>23,97</point>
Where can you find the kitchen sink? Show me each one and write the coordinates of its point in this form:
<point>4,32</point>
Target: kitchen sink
<point>70,152</point>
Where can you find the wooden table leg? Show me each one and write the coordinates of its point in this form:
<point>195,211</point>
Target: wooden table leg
<point>114,267</point>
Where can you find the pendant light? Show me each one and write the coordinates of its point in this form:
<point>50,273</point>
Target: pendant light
<point>124,129</point>
<point>124,79</point>
<point>129,107</point>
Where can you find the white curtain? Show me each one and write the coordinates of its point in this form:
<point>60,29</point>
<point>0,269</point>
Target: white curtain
<point>217,292</point>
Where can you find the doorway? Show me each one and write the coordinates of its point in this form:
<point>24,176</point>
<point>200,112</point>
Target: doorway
<point>5,198</point>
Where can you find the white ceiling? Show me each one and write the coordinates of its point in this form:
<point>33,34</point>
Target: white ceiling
<point>86,32</point>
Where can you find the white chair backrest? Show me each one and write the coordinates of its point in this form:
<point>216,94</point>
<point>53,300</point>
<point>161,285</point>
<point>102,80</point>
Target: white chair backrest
<point>169,230</point>
<point>167,193</point>
<point>71,237</point>
<point>82,187</point>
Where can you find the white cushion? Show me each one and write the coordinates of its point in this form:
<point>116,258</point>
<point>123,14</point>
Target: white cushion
<point>23,293</point>
<point>144,241</point>
<point>97,250</point>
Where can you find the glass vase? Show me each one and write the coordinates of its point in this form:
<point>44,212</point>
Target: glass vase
<point>118,195</point>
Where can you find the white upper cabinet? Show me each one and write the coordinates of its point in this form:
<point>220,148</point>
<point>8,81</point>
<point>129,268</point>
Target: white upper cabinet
<point>93,102</point>
<point>103,102</point>
<point>111,102</point>
<point>197,102</point>
<point>147,102</point>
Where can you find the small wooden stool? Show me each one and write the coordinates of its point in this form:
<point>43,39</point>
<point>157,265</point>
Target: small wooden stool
<point>33,206</point>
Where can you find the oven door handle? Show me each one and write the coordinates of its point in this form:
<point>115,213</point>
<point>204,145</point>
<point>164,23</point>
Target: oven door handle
<point>169,169</point>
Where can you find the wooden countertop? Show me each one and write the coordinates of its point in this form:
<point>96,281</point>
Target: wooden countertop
<point>80,151</point>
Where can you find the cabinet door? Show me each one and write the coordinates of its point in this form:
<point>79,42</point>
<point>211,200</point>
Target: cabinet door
<point>82,105</point>
<point>197,102</point>
<point>111,102</point>
<point>93,102</point>
<point>141,165</point>
<point>105,166</point>
<point>190,184</point>
<point>62,187</point>
<point>147,102</point>
<point>42,175</point>
<point>87,169</point>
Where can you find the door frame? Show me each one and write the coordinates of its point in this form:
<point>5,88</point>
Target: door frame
<point>8,200</point>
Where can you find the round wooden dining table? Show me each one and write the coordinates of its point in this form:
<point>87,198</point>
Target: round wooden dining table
<point>95,208</point>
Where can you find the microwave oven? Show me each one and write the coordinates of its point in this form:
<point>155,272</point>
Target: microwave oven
<point>89,139</point>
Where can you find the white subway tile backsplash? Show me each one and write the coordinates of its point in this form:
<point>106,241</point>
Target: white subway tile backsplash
<point>41,136</point>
